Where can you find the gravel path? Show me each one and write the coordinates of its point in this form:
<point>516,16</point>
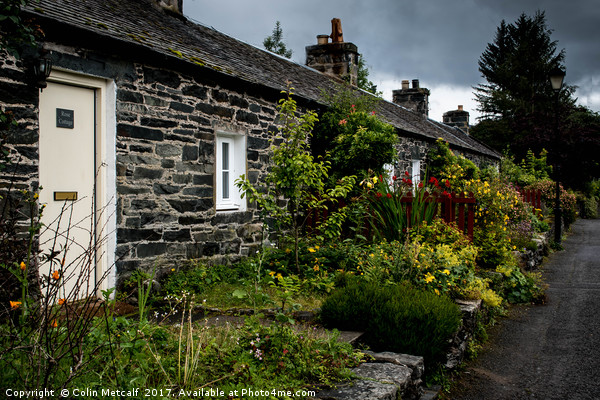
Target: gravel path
<point>550,351</point>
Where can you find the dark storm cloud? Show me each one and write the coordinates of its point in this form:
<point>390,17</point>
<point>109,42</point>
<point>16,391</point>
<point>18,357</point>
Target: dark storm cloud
<point>437,41</point>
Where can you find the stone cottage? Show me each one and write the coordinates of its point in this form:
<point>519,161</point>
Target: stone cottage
<point>145,120</point>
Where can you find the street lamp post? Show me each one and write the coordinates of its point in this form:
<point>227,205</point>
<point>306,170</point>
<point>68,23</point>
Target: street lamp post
<point>556,80</point>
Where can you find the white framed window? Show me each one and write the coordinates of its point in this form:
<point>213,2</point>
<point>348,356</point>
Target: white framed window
<point>230,165</point>
<point>388,171</point>
<point>416,172</point>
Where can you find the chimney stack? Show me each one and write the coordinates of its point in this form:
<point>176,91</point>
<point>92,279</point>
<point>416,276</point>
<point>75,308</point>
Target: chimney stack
<point>415,98</point>
<point>338,59</point>
<point>175,6</point>
<point>458,119</point>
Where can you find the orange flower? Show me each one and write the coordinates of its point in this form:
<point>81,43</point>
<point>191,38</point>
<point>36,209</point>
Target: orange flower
<point>56,275</point>
<point>54,324</point>
<point>15,304</point>
<point>23,266</point>
<point>61,301</point>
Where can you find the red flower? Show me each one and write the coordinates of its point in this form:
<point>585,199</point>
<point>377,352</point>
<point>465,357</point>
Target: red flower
<point>389,195</point>
<point>409,182</point>
<point>372,112</point>
<point>379,195</point>
<point>447,183</point>
<point>420,184</point>
<point>343,122</point>
<point>406,173</point>
<point>394,178</point>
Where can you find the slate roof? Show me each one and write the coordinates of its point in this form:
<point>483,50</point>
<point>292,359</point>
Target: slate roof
<point>144,23</point>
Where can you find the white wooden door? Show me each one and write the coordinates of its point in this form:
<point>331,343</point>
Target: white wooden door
<point>67,169</point>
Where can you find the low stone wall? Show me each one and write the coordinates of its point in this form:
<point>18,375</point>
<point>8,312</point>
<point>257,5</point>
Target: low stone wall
<point>531,259</point>
<point>470,310</point>
<point>388,376</point>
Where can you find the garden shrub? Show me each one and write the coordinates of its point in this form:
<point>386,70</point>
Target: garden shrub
<point>444,164</point>
<point>568,201</point>
<point>530,170</point>
<point>196,277</point>
<point>398,318</point>
<point>588,206</point>
<point>353,136</point>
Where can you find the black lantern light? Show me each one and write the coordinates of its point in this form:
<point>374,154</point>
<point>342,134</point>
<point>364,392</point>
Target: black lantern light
<point>556,79</point>
<point>41,69</point>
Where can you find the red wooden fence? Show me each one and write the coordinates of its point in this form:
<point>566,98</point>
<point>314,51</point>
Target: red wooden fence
<point>533,197</point>
<point>454,208</point>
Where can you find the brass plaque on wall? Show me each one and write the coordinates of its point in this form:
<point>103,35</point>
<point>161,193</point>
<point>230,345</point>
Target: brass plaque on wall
<point>62,196</point>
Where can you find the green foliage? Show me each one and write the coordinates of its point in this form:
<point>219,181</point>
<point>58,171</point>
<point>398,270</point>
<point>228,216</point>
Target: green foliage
<point>388,206</point>
<point>568,201</point>
<point>196,277</point>
<point>531,169</point>
<point>520,287</point>
<point>516,67</point>
<point>17,33</point>
<point>355,138</point>
<point>275,42</point>
<point>395,318</point>
<point>589,207</point>
<point>444,164</point>
<point>363,81</point>
<point>296,177</point>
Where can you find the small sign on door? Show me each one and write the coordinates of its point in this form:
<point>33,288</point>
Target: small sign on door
<point>65,118</point>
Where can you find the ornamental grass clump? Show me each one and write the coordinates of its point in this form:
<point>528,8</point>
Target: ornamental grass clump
<point>398,205</point>
<point>397,318</point>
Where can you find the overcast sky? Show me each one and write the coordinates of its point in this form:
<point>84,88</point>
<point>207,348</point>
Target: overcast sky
<point>436,41</point>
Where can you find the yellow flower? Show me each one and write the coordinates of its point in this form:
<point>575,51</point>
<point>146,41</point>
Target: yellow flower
<point>279,276</point>
<point>311,250</point>
<point>36,196</point>
<point>429,278</point>
<point>447,271</point>
<point>23,266</point>
<point>375,179</point>
<point>272,273</point>
<point>369,185</point>
<point>288,250</point>
<point>316,268</point>
<point>15,304</point>
<point>436,291</point>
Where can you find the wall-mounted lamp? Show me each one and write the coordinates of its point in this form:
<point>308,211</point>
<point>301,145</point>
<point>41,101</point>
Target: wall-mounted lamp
<point>41,69</point>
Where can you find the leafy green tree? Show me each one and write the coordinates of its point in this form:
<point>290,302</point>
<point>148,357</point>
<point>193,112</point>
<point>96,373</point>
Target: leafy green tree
<point>351,133</point>
<point>297,178</point>
<point>275,42</point>
<point>363,81</point>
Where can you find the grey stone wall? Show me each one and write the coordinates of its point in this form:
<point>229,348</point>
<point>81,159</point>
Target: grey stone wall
<point>166,165</point>
<point>409,149</point>
<point>20,100</point>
